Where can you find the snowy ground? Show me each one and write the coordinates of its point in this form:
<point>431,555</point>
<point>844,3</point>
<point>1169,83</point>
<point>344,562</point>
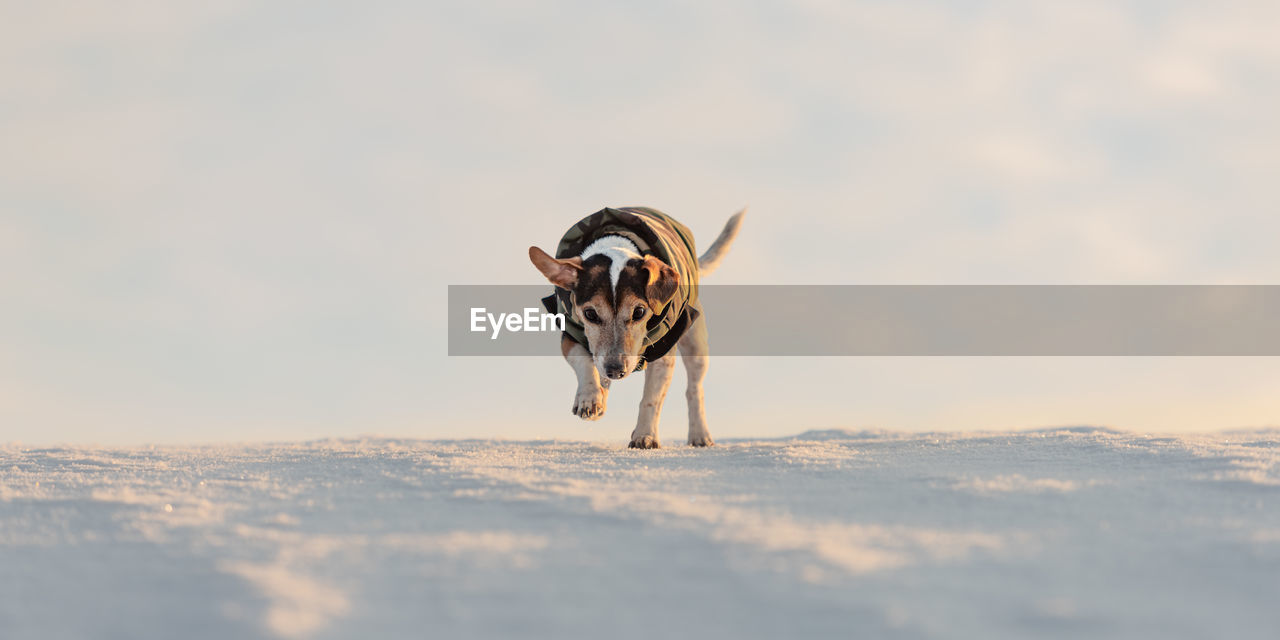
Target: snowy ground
<point>1077,532</point>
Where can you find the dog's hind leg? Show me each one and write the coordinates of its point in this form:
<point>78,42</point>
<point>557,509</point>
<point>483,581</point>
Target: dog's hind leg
<point>657,377</point>
<point>589,401</point>
<point>695,353</point>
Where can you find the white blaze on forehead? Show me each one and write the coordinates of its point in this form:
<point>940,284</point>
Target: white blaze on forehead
<point>618,249</point>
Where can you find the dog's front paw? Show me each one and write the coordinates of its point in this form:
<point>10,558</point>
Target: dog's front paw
<point>701,441</point>
<point>644,442</point>
<point>589,403</point>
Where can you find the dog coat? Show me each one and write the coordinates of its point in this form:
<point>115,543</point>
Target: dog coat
<point>656,234</point>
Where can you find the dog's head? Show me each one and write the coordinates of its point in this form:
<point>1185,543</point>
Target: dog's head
<point>615,294</point>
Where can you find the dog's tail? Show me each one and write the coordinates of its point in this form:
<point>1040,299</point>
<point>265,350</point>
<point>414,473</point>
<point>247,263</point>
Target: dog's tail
<point>715,253</point>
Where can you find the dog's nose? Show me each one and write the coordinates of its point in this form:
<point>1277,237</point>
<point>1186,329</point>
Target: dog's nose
<point>615,372</point>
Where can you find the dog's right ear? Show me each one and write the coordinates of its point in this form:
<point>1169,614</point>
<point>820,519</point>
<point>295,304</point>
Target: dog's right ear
<point>561,273</point>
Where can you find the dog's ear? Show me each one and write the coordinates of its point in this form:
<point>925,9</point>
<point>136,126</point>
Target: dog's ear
<point>663,281</point>
<point>561,273</point>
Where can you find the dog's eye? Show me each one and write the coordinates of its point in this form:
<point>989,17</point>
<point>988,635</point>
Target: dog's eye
<point>591,315</point>
<point>638,313</point>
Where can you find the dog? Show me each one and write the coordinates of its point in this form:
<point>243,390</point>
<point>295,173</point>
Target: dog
<point>627,282</point>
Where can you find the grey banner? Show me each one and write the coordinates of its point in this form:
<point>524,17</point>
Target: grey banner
<point>924,320</point>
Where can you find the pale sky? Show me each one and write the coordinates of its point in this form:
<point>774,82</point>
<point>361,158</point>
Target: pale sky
<point>237,220</point>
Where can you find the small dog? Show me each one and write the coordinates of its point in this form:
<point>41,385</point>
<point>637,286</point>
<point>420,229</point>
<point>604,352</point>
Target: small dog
<point>627,282</point>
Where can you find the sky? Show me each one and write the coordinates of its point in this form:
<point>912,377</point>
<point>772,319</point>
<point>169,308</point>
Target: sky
<point>238,220</point>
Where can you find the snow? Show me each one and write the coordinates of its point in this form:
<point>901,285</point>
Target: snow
<point>1053,533</point>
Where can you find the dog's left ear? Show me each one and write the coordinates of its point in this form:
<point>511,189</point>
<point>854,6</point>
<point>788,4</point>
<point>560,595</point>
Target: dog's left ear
<point>663,281</point>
